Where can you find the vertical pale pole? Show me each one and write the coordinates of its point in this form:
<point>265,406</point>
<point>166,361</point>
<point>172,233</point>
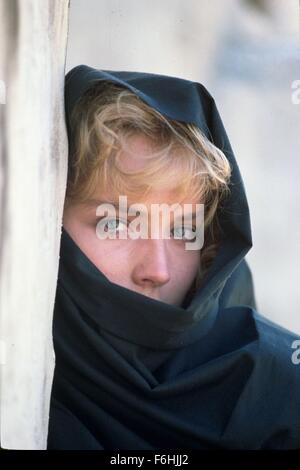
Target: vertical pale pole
<point>33,170</point>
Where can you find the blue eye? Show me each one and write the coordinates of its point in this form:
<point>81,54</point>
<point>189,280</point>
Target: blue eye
<point>114,225</point>
<point>181,232</point>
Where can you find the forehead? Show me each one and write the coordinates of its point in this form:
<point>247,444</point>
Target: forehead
<point>138,149</point>
<point>165,195</point>
<point>133,157</point>
<point>135,152</point>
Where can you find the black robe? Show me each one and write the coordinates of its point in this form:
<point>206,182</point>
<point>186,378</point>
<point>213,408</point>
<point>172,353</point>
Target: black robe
<point>136,373</point>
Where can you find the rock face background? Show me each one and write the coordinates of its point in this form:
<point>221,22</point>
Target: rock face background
<point>247,53</point>
<point>33,170</point>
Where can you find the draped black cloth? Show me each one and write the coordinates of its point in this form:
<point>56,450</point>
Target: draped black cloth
<point>136,373</point>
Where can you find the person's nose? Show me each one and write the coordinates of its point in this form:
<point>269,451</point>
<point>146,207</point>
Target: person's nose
<point>152,268</point>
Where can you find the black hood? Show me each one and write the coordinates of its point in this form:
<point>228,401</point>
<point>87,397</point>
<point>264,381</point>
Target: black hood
<point>136,373</point>
<point>185,101</point>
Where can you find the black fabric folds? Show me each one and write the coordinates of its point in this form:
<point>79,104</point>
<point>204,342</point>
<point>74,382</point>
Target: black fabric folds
<point>136,373</point>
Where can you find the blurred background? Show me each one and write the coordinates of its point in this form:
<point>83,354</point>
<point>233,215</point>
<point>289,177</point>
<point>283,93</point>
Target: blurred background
<point>247,54</point>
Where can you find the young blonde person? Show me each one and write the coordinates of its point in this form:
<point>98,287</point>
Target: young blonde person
<point>158,343</point>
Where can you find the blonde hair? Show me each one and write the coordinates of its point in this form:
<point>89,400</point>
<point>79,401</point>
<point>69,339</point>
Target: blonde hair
<point>103,120</point>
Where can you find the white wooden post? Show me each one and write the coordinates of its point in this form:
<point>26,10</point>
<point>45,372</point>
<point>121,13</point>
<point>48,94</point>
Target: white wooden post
<point>33,170</point>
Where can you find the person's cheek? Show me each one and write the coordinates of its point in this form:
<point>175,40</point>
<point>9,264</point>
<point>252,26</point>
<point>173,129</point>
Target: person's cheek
<point>115,259</point>
<point>188,266</point>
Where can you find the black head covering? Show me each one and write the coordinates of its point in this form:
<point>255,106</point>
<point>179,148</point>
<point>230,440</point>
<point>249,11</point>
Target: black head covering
<point>136,373</point>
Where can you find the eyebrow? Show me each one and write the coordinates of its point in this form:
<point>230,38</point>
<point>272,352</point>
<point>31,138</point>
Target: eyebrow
<point>96,202</point>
